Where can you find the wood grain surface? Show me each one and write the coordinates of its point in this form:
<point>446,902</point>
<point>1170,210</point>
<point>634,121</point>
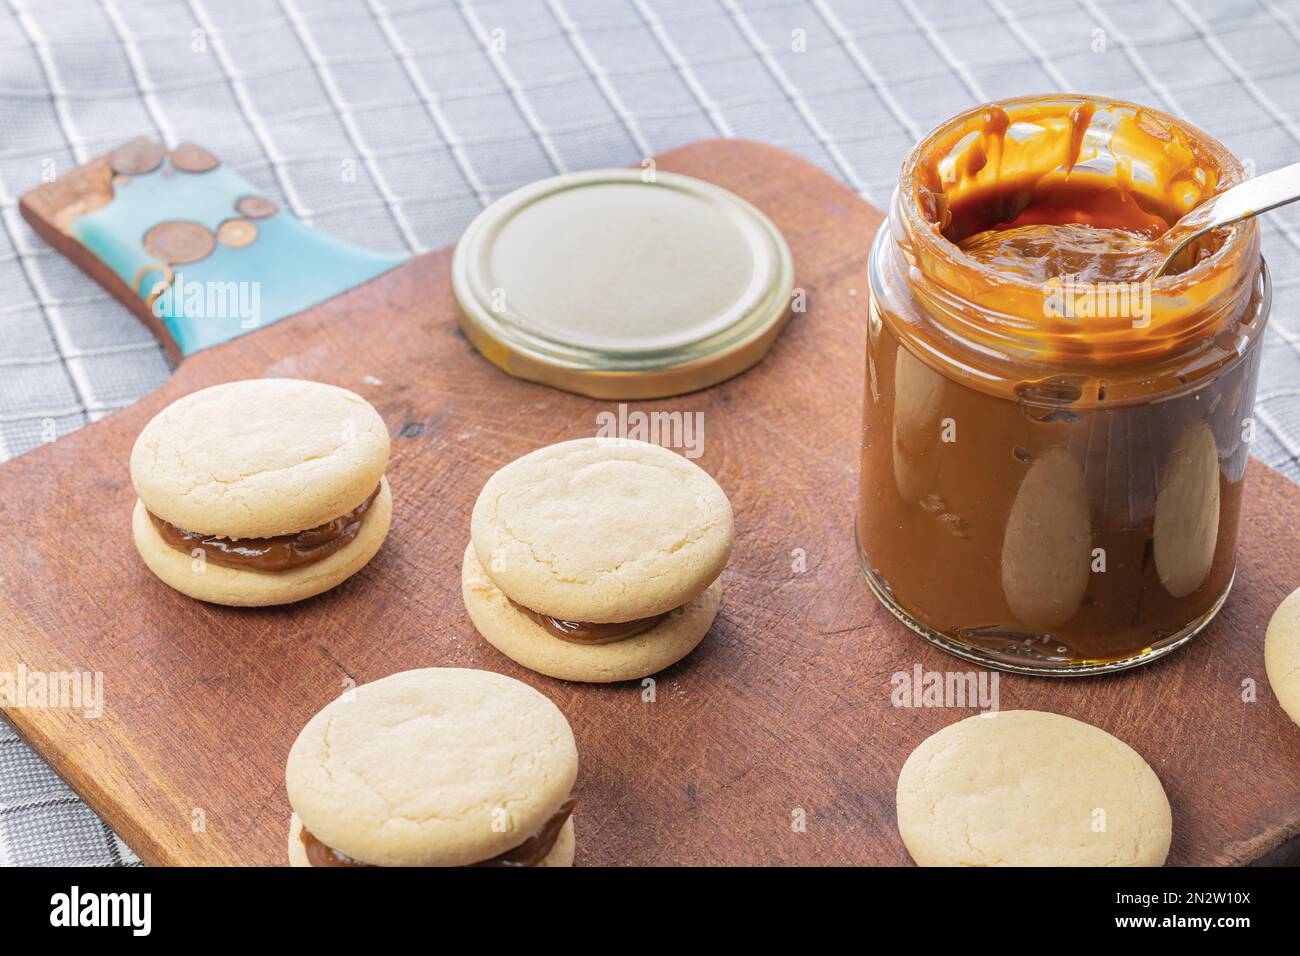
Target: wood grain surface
<point>784,708</point>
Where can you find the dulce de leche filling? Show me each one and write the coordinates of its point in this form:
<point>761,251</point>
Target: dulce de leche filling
<point>283,552</point>
<point>579,632</point>
<point>1005,206</point>
<point>529,853</point>
<point>1038,226</point>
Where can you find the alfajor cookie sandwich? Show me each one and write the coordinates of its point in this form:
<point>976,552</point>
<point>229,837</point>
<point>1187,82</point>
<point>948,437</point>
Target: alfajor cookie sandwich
<point>261,492</point>
<point>597,559</point>
<point>436,767</point>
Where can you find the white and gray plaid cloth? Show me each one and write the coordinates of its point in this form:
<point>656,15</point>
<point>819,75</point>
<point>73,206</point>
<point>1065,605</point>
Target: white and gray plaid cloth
<point>440,107</point>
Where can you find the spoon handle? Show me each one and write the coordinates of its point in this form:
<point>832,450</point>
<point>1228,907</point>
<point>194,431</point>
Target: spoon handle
<point>1242,201</point>
<point>1257,195</point>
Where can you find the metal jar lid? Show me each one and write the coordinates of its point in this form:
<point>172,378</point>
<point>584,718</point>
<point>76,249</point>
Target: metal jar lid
<point>623,283</point>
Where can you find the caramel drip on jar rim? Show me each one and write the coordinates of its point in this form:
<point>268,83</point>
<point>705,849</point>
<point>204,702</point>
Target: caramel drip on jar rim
<point>1089,181</point>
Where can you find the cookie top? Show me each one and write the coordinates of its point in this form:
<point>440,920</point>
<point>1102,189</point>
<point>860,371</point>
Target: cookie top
<point>1027,788</point>
<point>259,458</point>
<point>1282,654</point>
<point>602,530</point>
<point>433,767</point>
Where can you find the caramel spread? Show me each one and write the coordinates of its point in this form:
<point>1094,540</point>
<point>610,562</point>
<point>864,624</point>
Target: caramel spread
<point>578,632</point>
<point>1043,252</point>
<point>1008,178</point>
<point>281,553</point>
<point>1016,195</point>
<point>1067,222</point>
<point>318,854</point>
<point>533,850</point>
<point>529,853</point>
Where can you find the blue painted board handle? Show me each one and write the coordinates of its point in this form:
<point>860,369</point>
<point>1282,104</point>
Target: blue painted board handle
<point>206,254</point>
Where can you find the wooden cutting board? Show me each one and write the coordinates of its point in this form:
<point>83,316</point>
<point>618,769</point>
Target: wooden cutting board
<point>782,714</point>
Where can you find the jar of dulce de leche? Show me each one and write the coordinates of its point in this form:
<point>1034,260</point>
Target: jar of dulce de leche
<point>1054,442</point>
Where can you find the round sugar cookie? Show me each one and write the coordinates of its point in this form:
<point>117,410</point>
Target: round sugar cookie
<point>235,587</point>
<point>1282,654</point>
<point>526,642</point>
<point>1027,788</point>
<point>432,767</point>
<point>602,530</point>
<point>259,458</point>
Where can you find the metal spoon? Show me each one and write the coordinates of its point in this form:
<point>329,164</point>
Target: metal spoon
<point>1240,202</point>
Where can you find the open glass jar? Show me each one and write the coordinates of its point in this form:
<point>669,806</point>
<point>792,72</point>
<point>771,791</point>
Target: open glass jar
<point>1054,445</point>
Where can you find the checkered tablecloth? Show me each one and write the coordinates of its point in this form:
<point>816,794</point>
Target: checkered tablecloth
<point>443,106</point>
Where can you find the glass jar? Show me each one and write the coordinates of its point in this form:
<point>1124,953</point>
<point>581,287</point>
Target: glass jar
<point>1054,451</point>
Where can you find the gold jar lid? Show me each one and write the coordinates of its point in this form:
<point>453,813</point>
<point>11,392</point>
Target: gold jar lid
<point>623,283</point>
